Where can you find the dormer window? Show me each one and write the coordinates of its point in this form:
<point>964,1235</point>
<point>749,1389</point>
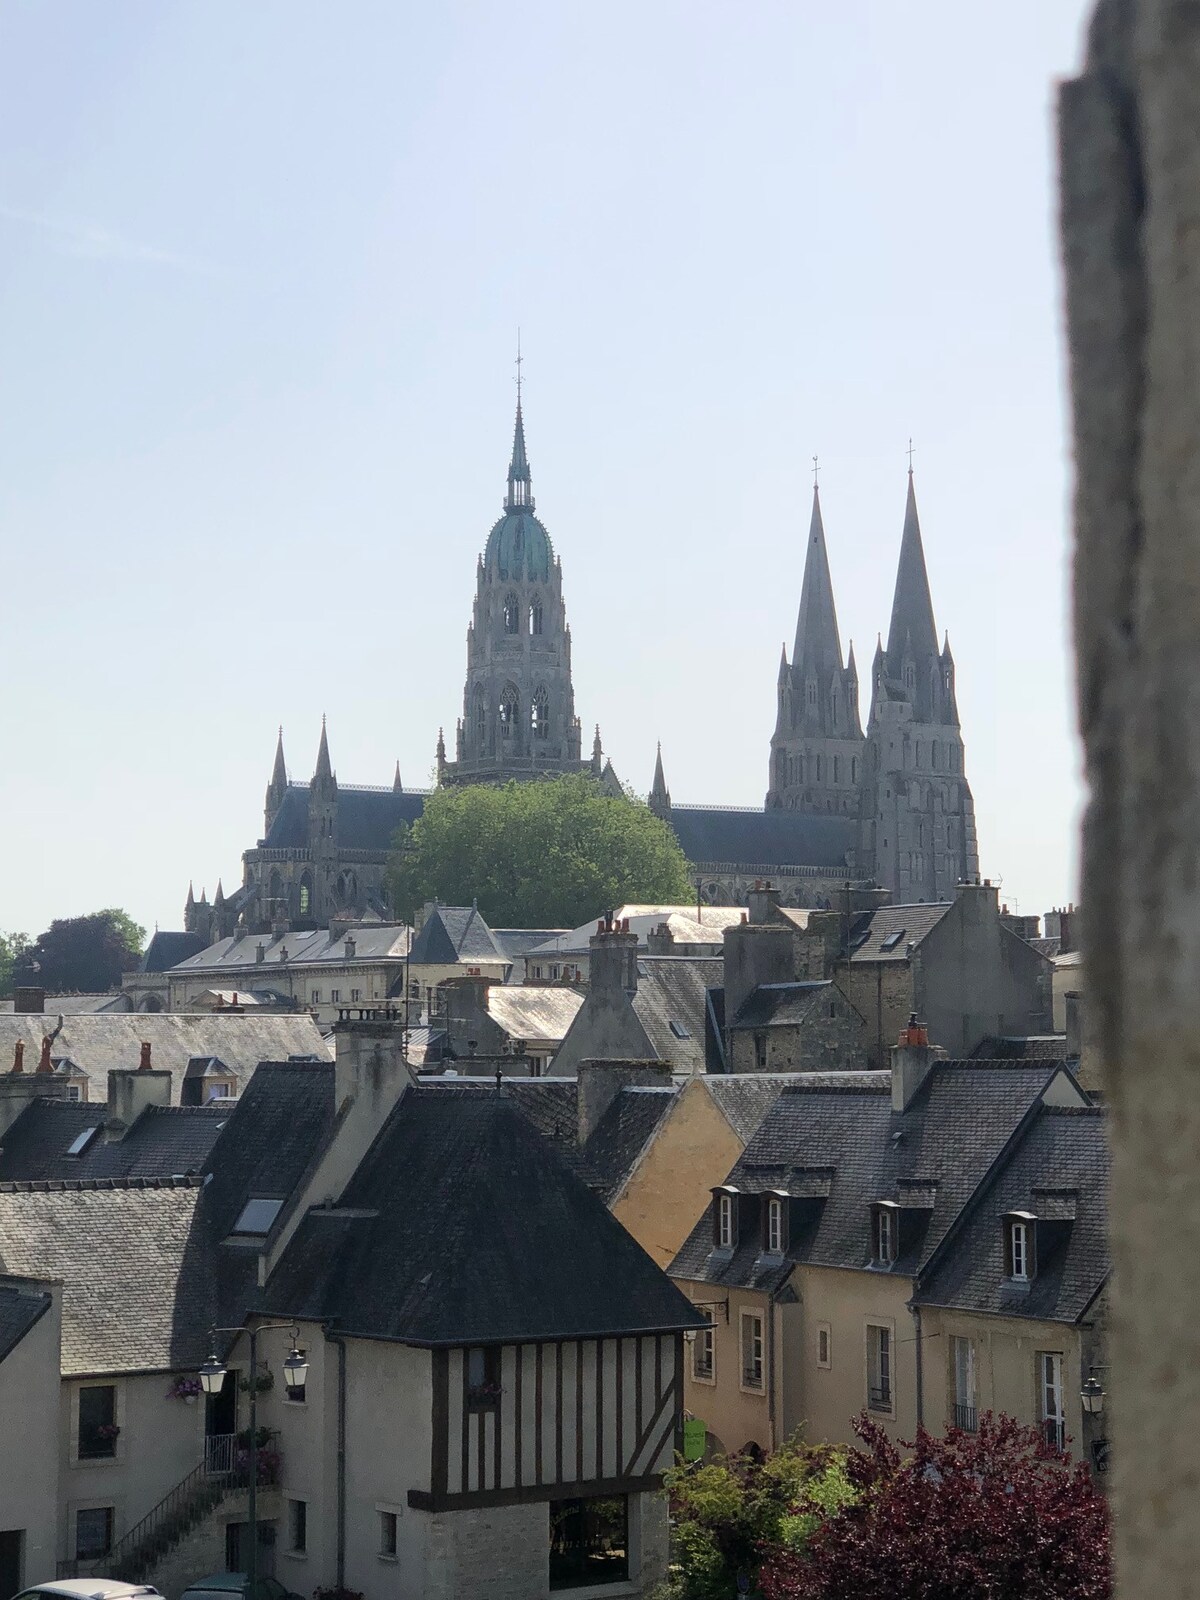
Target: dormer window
<point>1019,1246</point>
<point>885,1226</point>
<point>725,1221</point>
<point>774,1225</point>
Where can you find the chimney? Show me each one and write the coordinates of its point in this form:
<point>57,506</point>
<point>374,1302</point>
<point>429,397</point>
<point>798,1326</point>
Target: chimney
<point>599,1083</point>
<point>912,1057</point>
<point>351,947</point>
<point>19,1056</point>
<point>762,901</point>
<point>44,1062</point>
<point>260,952</point>
<point>131,1090</point>
<point>613,959</point>
<point>29,1001</point>
<point>18,1088</point>
<point>660,941</point>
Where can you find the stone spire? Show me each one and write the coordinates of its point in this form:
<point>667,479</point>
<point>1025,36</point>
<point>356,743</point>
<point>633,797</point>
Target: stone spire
<point>397,785</point>
<point>660,795</point>
<point>324,766</point>
<point>912,630</point>
<point>818,648</point>
<point>520,485</point>
<point>279,771</point>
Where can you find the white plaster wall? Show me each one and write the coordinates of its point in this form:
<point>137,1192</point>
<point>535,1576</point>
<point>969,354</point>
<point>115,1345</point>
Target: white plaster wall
<point>29,1397</point>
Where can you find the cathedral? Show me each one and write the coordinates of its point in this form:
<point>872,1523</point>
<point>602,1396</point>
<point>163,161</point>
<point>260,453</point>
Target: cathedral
<point>847,811</point>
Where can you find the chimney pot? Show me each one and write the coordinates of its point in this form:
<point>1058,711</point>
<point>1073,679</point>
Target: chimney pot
<point>44,1062</point>
<point>144,1063</point>
<point>19,1056</point>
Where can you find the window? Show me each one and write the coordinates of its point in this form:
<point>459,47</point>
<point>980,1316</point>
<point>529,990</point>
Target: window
<point>835,769</point>
<point>256,1216</point>
<point>775,1226</point>
<point>680,1030</point>
<point>480,716</point>
<point>335,995</point>
<point>725,1221</point>
<point>1050,1384</point>
<point>305,898</point>
<point>879,1367</point>
<point>1018,1248</point>
<point>512,614</point>
<point>388,1531</point>
<point>74,1091</point>
<point>752,1350</point>
<point>589,1542</point>
<point>315,997</point>
<point>93,1532</point>
<point>760,1051</point>
<point>97,1422</point>
<point>535,616</point>
<point>508,711</point>
<point>962,1355</point>
<point>81,1141</point>
<point>355,994</point>
<point>298,1527</point>
<point>483,1377</point>
<point>885,1234</point>
<point>824,1345</point>
<point>893,939</point>
<point>703,1352</point>
<point>539,714</point>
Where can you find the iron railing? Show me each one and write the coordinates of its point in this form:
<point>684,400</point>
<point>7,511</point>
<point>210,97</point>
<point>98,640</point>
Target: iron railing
<point>966,1418</point>
<point>224,1467</point>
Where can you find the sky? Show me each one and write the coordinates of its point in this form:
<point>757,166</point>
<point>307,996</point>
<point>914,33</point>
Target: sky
<point>261,273</point>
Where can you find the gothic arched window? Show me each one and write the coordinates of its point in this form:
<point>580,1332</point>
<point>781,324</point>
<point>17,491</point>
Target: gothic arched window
<point>853,769</point>
<point>810,691</point>
<point>535,616</point>
<point>304,897</point>
<point>933,754</point>
<point>508,711</point>
<point>820,769</point>
<point>480,716</point>
<point>539,714</point>
<point>512,613</point>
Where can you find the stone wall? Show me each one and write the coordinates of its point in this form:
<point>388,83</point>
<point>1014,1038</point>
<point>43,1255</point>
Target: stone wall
<point>819,1043</point>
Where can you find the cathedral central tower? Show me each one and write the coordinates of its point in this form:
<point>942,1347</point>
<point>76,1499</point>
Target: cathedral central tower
<point>518,716</point>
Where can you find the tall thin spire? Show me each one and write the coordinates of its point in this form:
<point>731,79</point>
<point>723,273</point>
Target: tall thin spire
<point>520,485</point>
<point>818,647</point>
<point>397,785</point>
<point>279,771</point>
<point>912,623</point>
<point>324,765</point>
<point>660,795</point>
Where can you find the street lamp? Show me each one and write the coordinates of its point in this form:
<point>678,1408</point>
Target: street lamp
<point>1092,1396</point>
<point>212,1380</point>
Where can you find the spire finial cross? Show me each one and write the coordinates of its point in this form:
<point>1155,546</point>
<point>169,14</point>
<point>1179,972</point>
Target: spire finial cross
<point>815,470</point>
<point>910,455</point>
<point>517,364</point>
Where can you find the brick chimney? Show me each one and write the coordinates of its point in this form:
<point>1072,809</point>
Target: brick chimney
<point>44,1062</point>
<point>912,1057</point>
<point>29,1001</point>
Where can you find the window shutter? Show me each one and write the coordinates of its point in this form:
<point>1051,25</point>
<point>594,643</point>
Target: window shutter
<point>1008,1249</point>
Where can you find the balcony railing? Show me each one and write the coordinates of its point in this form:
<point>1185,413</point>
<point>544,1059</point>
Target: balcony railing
<point>966,1418</point>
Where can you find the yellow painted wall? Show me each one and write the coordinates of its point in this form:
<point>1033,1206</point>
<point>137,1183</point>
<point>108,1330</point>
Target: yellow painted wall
<point>672,1184</point>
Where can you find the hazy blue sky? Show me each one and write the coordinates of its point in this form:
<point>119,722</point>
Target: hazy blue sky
<point>261,267</point>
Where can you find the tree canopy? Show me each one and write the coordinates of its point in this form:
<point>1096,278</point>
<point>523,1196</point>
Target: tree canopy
<point>12,945</point>
<point>81,955</point>
<point>999,1513</point>
<point>547,854</point>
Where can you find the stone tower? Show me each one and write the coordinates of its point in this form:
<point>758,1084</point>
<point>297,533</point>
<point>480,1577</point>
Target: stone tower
<point>917,821</point>
<point>817,746</point>
<point>518,716</point>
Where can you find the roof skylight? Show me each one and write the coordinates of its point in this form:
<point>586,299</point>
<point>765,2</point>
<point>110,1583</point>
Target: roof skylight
<point>257,1216</point>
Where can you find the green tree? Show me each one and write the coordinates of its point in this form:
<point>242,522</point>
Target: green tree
<point>545,854</point>
<point>82,955</point>
<point>727,1513</point>
<point>12,946</point>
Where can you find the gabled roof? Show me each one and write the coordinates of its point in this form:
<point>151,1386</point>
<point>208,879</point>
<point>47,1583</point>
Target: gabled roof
<point>367,819</point>
<point>669,1004</point>
<point>744,1098</point>
<point>769,840</point>
<point>164,1142</point>
<point>537,1013</point>
<point>373,941</point>
<point>1063,1153</point>
<point>453,934</point>
<point>886,934</point>
<point>141,1307</point>
<point>957,1125</point>
<point>21,1306</point>
<point>778,1005</point>
<point>687,927</point>
<point>462,1226</point>
<point>1032,1047</point>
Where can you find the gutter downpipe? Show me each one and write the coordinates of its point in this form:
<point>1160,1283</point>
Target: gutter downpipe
<point>772,1311</point>
<point>916,1316</point>
<point>339,1341</point>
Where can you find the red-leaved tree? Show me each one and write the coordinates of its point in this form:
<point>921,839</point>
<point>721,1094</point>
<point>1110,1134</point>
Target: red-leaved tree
<point>995,1515</point>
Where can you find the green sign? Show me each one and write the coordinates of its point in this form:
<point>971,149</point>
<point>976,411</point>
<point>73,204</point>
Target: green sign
<point>694,1433</point>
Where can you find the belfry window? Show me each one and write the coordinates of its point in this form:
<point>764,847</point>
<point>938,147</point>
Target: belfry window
<point>535,616</point>
<point>480,716</point>
<point>539,714</point>
<point>508,712</point>
<point>305,899</point>
<point>512,614</point>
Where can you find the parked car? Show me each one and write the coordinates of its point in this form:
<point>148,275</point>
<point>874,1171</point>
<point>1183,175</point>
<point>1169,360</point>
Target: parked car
<point>90,1589</point>
<point>236,1586</point>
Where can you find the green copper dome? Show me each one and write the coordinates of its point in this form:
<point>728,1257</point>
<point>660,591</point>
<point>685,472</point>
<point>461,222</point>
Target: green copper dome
<point>518,548</point>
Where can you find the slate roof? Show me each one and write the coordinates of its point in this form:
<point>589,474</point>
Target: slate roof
<point>164,1142</point>
<point>166,950</point>
<point>98,1043</point>
<point>1034,1047</point>
<point>367,819</point>
<point>21,1306</point>
<point>955,1127</point>
<point>912,923</point>
<point>725,835</point>
<point>744,1098</point>
<point>142,1307</point>
<point>372,942</point>
<point>709,928</point>
<point>452,934</point>
<point>779,1005</point>
<point>462,1226</point>
<point>534,1012</point>
<point>672,989</point>
<point>1064,1154</point>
